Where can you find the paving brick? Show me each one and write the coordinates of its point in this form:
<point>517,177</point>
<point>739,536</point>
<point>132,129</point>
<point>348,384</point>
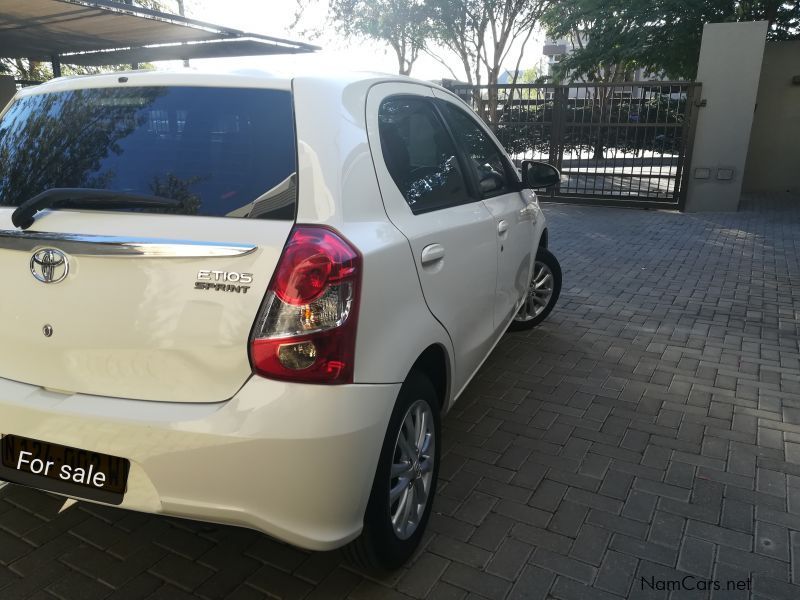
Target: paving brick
<point>541,538</point>
<point>768,587</point>
<point>652,579</point>
<point>76,585</point>
<point>548,495</point>
<point>523,513</point>
<point>569,589</point>
<point>532,584</point>
<point>468,578</point>
<point>475,508</point>
<point>680,474</point>
<point>692,511</point>
<point>594,465</point>
<point>756,498</point>
<point>590,545</point>
<point>509,559</point>
<point>653,552</point>
<point>450,526</point>
<point>445,591</point>
<point>423,575</point>
<point>505,491</point>
<point>456,550</point>
<point>180,572</point>
<point>616,573</point>
<point>772,540</point>
<point>639,506</point>
<point>141,586</point>
<point>561,565</point>
<point>747,561</point>
<point>778,517</point>
<point>667,529</point>
<point>771,482</point>
<point>492,532</point>
<point>223,582</point>
<point>617,524</point>
<point>735,582</point>
<point>12,548</point>
<point>720,535</point>
<point>696,556</point>
<point>591,500</point>
<point>568,519</point>
<point>616,484</point>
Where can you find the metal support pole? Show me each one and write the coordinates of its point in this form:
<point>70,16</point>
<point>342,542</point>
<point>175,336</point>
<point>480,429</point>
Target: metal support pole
<point>55,61</point>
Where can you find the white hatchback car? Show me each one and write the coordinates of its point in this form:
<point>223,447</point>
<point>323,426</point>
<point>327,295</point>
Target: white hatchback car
<point>248,300</point>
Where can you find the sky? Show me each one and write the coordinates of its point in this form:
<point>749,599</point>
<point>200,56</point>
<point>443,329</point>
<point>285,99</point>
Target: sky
<point>275,17</point>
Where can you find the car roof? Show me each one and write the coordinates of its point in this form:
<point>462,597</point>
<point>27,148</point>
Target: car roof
<point>250,78</point>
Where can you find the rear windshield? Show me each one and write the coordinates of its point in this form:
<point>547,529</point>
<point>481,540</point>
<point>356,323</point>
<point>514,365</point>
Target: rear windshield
<point>223,152</point>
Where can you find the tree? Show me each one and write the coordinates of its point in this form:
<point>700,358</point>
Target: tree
<point>484,35</point>
<point>402,24</point>
<point>660,36</point>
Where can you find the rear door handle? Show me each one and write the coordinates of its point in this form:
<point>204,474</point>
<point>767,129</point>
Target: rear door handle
<point>432,253</point>
<point>502,227</point>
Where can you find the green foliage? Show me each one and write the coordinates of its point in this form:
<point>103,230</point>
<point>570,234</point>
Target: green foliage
<point>400,23</point>
<point>483,34</point>
<point>530,75</point>
<point>661,36</point>
<point>593,125</point>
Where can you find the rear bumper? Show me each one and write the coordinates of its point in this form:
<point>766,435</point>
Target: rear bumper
<point>294,461</point>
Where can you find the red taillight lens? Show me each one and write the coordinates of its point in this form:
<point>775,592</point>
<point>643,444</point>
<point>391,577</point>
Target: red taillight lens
<point>306,329</point>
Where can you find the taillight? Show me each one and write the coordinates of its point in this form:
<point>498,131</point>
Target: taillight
<point>306,328</point>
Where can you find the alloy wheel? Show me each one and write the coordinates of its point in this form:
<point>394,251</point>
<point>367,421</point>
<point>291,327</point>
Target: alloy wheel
<point>539,293</point>
<point>412,469</point>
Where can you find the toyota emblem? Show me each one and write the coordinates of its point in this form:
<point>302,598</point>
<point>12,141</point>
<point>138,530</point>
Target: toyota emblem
<point>49,265</point>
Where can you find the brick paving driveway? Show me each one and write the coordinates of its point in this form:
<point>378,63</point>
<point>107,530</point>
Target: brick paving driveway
<point>649,430</point>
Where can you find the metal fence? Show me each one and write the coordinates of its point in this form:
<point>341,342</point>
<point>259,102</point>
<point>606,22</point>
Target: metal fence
<point>622,143</point>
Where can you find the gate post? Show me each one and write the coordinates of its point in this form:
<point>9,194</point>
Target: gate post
<point>693,104</point>
<point>730,66</point>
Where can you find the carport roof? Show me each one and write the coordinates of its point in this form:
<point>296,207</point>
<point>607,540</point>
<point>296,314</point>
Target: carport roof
<point>102,32</point>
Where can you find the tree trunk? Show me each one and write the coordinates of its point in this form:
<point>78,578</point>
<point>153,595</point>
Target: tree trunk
<point>599,147</point>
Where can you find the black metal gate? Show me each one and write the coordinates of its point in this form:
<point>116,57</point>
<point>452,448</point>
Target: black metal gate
<point>621,143</point>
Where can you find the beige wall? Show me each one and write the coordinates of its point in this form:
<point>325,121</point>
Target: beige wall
<point>729,69</point>
<point>773,161</point>
<point>7,90</point>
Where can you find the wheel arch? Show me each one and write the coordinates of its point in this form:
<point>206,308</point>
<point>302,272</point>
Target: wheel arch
<point>434,363</point>
<point>543,239</point>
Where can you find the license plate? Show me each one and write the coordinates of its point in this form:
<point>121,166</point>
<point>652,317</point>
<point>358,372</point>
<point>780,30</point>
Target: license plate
<point>62,469</point>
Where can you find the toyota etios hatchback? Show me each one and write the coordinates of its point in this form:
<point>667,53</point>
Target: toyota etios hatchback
<point>249,300</point>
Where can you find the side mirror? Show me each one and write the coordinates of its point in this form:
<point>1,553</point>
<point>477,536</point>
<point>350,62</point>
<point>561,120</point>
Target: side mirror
<point>537,174</point>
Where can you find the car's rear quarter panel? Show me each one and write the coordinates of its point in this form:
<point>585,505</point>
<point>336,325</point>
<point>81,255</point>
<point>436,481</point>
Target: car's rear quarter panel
<point>338,188</point>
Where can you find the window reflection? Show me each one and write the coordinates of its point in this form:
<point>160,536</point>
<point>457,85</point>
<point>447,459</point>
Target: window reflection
<point>215,150</point>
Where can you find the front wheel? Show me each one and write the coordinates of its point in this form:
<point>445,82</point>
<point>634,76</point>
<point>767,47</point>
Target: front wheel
<point>545,286</point>
<point>405,480</point>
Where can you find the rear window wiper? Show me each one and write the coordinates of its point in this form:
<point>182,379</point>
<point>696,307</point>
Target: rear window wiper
<point>23,216</point>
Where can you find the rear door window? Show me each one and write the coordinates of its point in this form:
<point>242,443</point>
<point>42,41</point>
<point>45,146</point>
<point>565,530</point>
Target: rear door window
<point>420,155</point>
<point>221,152</point>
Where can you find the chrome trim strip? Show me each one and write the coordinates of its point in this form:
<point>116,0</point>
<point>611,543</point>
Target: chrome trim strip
<point>105,245</point>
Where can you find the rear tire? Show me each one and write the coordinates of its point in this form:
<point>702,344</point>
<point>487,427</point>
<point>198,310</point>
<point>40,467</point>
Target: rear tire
<point>393,530</point>
<point>543,292</point>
